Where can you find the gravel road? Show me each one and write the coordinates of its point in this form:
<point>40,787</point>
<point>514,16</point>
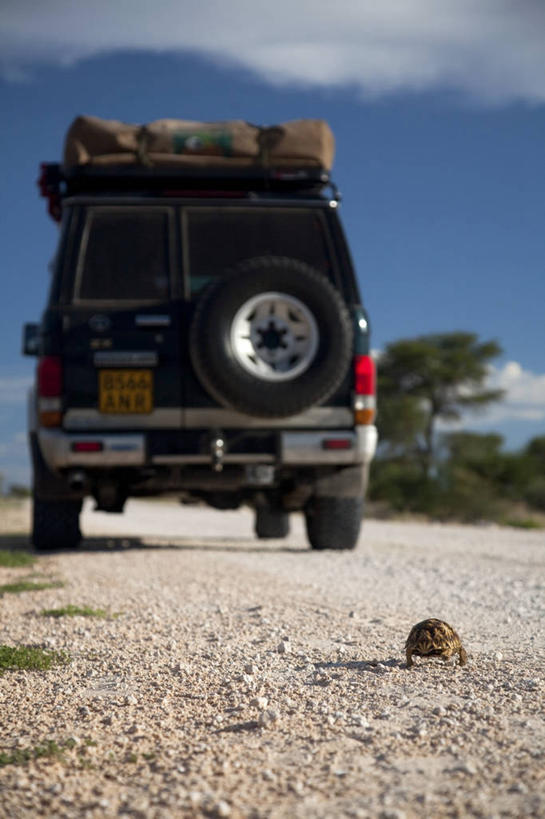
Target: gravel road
<point>247,678</point>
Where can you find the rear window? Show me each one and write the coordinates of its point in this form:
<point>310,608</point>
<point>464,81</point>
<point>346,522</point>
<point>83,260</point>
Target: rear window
<point>220,238</point>
<point>124,256</point>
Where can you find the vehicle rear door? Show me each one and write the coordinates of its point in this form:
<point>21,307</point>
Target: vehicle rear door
<point>121,325</point>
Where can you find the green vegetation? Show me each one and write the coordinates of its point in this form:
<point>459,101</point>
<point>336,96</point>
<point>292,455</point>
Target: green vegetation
<point>49,749</point>
<point>74,611</point>
<point>15,491</point>
<point>29,585</point>
<point>19,491</point>
<point>30,658</point>
<point>427,379</point>
<point>15,559</point>
<point>523,523</point>
<point>20,756</point>
<point>462,476</point>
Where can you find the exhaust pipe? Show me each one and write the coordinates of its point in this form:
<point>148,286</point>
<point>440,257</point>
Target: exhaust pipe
<point>77,480</point>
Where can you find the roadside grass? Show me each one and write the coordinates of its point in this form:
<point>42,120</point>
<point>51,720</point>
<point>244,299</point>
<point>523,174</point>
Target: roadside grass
<point>75,611</point>
<point>15,559</point>
<point>29,585</point>
<point>30,658</point>
<point>45,750</point>
<point>49,749</point>
<point>523,523</point>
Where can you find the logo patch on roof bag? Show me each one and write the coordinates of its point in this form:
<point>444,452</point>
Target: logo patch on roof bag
<point>203,143</point>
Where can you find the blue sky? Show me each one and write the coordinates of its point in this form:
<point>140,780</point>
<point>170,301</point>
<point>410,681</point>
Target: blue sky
<point>440,130</point>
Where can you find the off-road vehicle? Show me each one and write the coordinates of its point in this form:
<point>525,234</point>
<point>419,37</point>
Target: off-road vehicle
<point>204,335</point>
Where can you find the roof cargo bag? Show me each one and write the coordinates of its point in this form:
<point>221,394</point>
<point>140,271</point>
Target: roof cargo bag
<point>179,144</point>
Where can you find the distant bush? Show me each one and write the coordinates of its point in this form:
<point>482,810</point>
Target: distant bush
<point>17,490</point>
<point>472,479</point>
<point>534,493</point>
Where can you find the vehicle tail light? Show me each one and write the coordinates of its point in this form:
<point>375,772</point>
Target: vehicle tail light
<point>49,391</point>
<point>364,371</point>
<point>364,389</point>
<point>49,377</point>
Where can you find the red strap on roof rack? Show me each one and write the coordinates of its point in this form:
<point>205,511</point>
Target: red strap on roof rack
<point>49,183</point>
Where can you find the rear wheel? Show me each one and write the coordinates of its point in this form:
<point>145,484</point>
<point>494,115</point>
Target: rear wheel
<point>271,523</point>
<point>55,524</point>
<point>333,523</point>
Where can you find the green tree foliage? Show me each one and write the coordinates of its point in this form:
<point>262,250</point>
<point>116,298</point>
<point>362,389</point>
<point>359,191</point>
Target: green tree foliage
<point>474,479</point>
<point>534,486</point>
<point>426,379</point>
<point>460,475</point>
<point>17,490</point>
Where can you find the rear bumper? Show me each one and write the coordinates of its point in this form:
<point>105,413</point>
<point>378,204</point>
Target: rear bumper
<point>293,447</point>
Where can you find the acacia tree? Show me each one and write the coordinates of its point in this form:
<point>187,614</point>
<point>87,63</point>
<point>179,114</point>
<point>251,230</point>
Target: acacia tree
<point>428,378</point>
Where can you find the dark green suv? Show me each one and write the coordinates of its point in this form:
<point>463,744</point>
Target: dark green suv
<point>203,337</point>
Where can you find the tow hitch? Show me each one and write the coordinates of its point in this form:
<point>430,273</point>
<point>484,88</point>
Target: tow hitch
<point>217,451</point>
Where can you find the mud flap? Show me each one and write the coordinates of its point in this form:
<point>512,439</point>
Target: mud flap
<point>48,485</point>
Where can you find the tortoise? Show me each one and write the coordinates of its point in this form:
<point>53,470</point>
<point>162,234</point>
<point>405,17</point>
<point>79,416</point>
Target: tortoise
<point>434,638</point>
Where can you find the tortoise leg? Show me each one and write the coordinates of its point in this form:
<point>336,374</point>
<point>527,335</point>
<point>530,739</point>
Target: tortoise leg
<point>409,658</point>
<point>463,656</point>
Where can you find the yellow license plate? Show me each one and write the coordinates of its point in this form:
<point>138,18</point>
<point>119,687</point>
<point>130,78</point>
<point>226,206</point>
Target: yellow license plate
<point>125,391</point>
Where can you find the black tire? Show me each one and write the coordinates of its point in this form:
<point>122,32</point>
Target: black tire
<point>222,374</point>
<point>55,525</point>
<point>271,523</point>
<point>333,523</point>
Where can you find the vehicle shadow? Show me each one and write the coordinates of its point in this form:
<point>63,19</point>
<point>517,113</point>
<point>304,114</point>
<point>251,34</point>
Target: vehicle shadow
<point>375,666</point>
<point>21,542</point>
<point>17,542</point>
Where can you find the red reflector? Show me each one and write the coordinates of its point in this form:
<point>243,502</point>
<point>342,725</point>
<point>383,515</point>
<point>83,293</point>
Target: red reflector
<point>337,443</point>
<point>42,179</point>
<point>364,375</point>
<point>87,446</point>
<point>49,377</point>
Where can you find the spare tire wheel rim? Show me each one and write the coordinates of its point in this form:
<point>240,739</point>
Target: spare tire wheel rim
<point>274,336</point>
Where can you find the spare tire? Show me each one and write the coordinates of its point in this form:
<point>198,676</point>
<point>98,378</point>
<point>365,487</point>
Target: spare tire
<point>271,338</point>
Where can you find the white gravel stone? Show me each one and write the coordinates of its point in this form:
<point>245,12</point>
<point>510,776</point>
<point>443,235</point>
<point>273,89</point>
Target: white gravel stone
<point>268,718</point>
<point>467,768</point>
<point>189,649</point>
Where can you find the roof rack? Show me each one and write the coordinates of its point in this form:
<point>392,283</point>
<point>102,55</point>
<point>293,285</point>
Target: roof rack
<point>56,182</point>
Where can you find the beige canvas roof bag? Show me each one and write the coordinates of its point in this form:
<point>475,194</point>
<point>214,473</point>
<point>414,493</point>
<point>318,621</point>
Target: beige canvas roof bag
<point>232,143</point>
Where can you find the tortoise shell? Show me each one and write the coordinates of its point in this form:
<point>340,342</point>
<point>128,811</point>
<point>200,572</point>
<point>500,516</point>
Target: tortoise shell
<point>434,638</point>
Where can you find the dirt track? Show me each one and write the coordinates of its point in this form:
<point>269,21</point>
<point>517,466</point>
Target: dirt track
<point>249,678</point>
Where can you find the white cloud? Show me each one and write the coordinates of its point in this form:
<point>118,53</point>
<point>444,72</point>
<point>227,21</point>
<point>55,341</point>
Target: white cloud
<point>524,393</point>
<point>493,50</point>
<point>524,398</point>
